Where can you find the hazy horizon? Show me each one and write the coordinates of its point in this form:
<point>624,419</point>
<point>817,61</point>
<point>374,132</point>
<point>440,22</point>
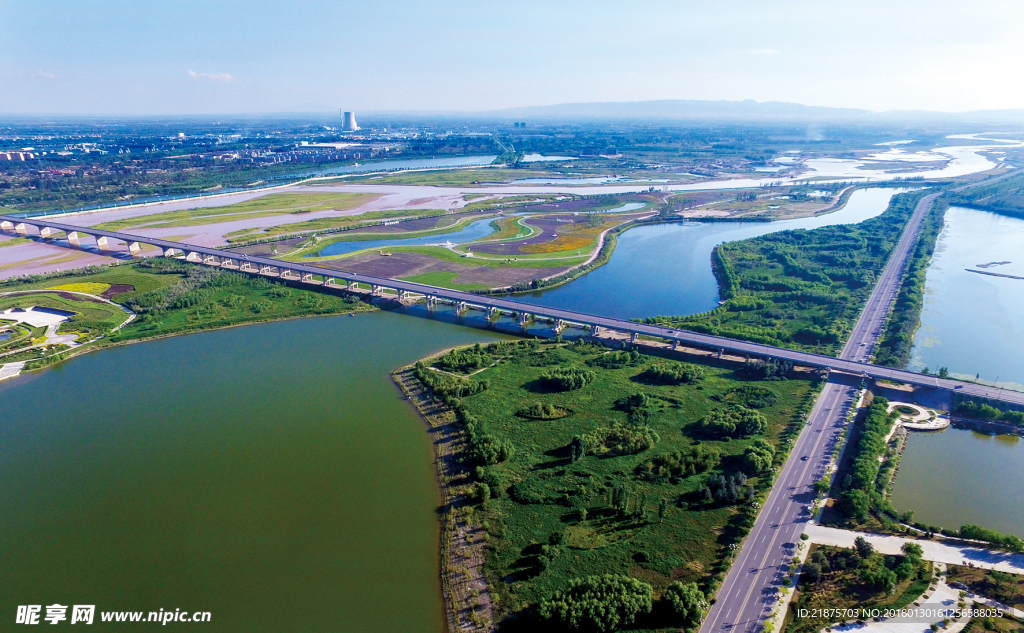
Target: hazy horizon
<point>189,58</point>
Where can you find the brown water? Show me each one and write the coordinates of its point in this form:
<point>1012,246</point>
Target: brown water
<point>271,475</point>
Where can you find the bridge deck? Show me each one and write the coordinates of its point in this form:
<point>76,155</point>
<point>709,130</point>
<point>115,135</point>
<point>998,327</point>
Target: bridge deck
<point>706,341</point>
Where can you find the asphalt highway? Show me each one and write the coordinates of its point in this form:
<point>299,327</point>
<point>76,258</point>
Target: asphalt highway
<point>749,591</point>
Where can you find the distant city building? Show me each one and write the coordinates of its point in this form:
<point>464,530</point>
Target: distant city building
<point>348,121</point>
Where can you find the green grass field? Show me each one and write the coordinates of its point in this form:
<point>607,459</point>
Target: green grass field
<point>443,279</point>
<point>92,317</point>
<point>549,518</point>
<point>173,297</point>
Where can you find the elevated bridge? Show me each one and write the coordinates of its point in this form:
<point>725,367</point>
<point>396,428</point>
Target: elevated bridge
<point>493,306</point>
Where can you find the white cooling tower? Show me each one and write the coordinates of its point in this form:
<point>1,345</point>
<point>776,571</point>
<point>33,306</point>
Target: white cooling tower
<point>348,121</point>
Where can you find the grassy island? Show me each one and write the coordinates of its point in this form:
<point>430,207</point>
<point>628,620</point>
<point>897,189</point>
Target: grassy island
<point>587,472</point>
<point>801,289</point>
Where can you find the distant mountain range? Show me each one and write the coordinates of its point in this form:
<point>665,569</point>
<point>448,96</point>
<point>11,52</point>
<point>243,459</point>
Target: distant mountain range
<point>748,110</point>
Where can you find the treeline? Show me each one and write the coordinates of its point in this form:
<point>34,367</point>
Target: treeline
<point>860,491</point>
<point>898,337</point>
<point>1005,196</point>
<point>987,412</point>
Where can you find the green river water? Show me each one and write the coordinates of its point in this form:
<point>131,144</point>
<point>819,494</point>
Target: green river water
<point>271,475</point>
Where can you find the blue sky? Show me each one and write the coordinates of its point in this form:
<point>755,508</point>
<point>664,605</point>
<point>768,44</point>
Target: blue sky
<point>213,57</point>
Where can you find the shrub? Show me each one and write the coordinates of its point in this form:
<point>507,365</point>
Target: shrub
<point>726,490</point>
<point>755,397</point>
<point>736,421</point>
<point>538,411</point>
<point>687,601</point>
<point>673,373</point>
<point>598,603</point>
<point>620,439</point>
<point>685,463</point>
<point>464,360</point>
<point>567,379</point>
<point>617,360</point>
<point>758,458</point>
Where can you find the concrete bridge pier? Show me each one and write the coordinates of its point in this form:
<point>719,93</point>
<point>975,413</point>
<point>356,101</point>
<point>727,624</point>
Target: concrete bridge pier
<point>633,337</point>
<point>328,281</point>
<point>48,232</point>
<point>102,243</point>
<point>595,330</point>
<point>431,302</point>
<point>307,278</point>
<point>401,294</point>
<point>7,226</point>
<point>75,239</point>
<point>171,252</point>
<point>375,289</point>
<point>524,319</point>
<point>21,229</point>
<point>193,257</point>
<point>134,249</point>
<point>720,351</point>
<point>493,313</point>
<point>461,307</point>
<point>675,345</point>
<point>559,326</point>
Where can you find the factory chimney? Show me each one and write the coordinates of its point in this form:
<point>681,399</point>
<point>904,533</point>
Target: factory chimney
<point>348,121</point>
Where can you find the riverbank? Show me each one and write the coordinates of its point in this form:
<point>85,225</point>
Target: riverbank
<point>462,553</point>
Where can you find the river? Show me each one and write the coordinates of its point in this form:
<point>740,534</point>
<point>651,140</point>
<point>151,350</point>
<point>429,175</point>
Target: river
<point>953,477</point>
<point>269,474</point>
<point>665,269</point>
<point>973,323</point>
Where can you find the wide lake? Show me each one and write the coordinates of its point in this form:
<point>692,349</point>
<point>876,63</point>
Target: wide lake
<point>270,474</point>
<point>953,477</point>
<point>974,323</point>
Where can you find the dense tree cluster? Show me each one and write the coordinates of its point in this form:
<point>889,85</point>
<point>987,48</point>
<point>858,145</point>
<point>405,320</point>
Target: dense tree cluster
<point>448,386</point>
<point>598,603</point>
<point>690,461</point>
<point>567,378</point>
<point>620,439</point>
<point>670,373</point>
<point>464,360</point>
<point>734,421</point>
<point>726,490</point>
<point>688,602</point>
<point>771,369</point>
<point>759,457</point>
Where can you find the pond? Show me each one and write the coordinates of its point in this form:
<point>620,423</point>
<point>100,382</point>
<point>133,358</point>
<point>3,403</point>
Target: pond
<point>953,477</point>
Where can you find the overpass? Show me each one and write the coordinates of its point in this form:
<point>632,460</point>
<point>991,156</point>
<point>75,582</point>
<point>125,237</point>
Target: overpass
<point>494,306</point>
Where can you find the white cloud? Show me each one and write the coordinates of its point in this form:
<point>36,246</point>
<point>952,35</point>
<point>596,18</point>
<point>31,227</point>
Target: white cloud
<point>763,51</point>
<point>211,76</point>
